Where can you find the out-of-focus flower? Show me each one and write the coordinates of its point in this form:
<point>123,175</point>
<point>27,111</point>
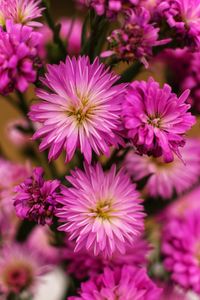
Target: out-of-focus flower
<point>187,65</point>
<point>70,33</point>
<point>20,267</point>
<point>136,39</point>
<point>11,174</point>
<point>81,110</point>
<point>102,211</point>
<point>183,16</point>
<point>164,178</point>
<point>156,120</point>
<point>18,132</point>
<point>36,198</point>
<point>40,240</point>
<point>181,207</point>
<point>127,283</point>
<point>20,11</point>
<point>181,248</point>
<point>18,56</point>
<point>82,264</point>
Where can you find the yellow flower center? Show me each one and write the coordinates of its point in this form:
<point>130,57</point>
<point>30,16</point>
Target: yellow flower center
<point>103,209</point>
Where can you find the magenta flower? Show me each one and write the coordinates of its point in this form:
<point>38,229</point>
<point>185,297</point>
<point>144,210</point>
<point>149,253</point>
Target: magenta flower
<point>18,54</point>
<point>184,17</point>
<point>156,120</point>
<point>180,247</point>
<point>20,268</point>
<point>127,283</point>
<point>81,109</point>
<point>164,178</point>
<point>136,38</point>
<point>20,11</point>
<point>36,198</point>
<point>101,211</point>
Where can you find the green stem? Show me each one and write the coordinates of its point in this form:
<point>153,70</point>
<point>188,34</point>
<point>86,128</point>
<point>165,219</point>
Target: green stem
<point>130,73</point>
<point>55,29</point>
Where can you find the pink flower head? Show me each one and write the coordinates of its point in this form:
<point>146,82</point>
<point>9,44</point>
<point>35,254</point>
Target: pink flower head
<point>156,120</point>
<point>81,109</point>
<point>18,54</point>
<point>184,17</point>
<point>126,283</point>
<point>136,38</point>
<point>164,178</point>
<point>20,267</point>
<point>20,11</point>
<point>36,198</point>
<point>181,248</point>
<point>102,211</point>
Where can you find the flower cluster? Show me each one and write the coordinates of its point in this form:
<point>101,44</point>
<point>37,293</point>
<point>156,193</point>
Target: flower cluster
<point>36,198</point>
<point>136,38</point>
<point>18,57</point>
<point>101,139</point>
<point>180,247</point>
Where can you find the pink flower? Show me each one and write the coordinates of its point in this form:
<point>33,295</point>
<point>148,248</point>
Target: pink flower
<point>81,109</point>
<point>20,267</point>
<point>184,17</point>
<point>36,198</point>
<point>101,211</point>
<point>136,38</point>
<point>127,283</point>
<point>165,179</point>
<point>18,54</point>
<point>20,11</point>
<point>155,119</point>
<point>180,247</point>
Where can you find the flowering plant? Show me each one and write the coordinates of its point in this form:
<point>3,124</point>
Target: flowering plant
<point>107,193</point>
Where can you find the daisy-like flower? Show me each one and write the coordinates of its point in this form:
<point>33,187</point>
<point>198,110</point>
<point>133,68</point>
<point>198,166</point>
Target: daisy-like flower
<point>101,211</point>
<point>184,17</point>
<point>36,198</point>
<point>20,267</point>
<point>155,119</point>
<point>126,283</point>
<point>181,250</point>
<point>136,38</point>
<point>81,109</point>
<point>18,57</point>
<point>21,11</point>
<point>164,178</point>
